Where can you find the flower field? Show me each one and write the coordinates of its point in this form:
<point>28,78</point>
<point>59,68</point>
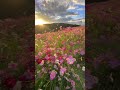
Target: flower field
<point>17,53</point>
<point>59,59</point>
<point>103,53</point>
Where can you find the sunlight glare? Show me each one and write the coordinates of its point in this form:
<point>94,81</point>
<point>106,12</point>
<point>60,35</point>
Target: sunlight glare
<point>40,22</point>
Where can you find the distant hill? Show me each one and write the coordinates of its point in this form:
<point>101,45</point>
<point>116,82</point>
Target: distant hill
<point>52,27</point>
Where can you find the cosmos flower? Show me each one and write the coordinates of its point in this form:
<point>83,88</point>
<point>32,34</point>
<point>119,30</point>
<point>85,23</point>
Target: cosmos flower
<point>82,52</point>
<point>40,53</point>
<point>90,79</point>
<point>12,65</point>
<point>70,60</point>
<point>62,71</point>
<point>72,83</point>
<point>39,61</point>
<point>52,74</point>
<point>10,82</point>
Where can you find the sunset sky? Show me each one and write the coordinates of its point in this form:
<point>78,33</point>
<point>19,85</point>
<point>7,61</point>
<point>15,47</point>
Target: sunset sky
<point>60,11</point>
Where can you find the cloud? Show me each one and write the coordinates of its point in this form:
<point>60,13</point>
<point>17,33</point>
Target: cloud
<point>77,21</point>
<point>81,9</point>
<point>58,10</point>
<point>80,2</point>
<point>53,7</point>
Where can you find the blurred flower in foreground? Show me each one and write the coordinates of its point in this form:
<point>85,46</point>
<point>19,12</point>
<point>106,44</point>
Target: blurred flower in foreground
<point>10,82</point>
<point>62,71</point>
<point>12,65</point>
<point>82,52</point>
<point>90,80</point>
<point>53,74</point>
<point>70,60</point>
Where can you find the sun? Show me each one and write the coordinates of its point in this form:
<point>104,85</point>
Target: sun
<point>40,22</point>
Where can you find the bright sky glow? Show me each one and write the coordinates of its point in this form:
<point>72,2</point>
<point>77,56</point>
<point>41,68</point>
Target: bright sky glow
<point>40,22</point>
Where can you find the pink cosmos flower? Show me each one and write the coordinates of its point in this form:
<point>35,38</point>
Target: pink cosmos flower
<point>70,60</point>
<point>47,57</point>
<point>52,59</point>
<point>61,60</point>
<point>52,74</point>
<point>36,57</point>
<point>62,71</point>
<point>71,43</point>
<point>72,83</point>
<point>48,51</point>
<point>82,52</point>
<point>40,54</point>
<point>64,56</point>
<point>12,65</point>
<point>63,49</point>
<point>75,52</point>
<point>38,36</point>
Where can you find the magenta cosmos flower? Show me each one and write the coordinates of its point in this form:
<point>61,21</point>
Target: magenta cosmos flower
<point>70,60</point>
<point>12,65</point>
<point>62,71</point>
<point>82,52</point>
<point>52,74</point>
<point>72,83</point>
